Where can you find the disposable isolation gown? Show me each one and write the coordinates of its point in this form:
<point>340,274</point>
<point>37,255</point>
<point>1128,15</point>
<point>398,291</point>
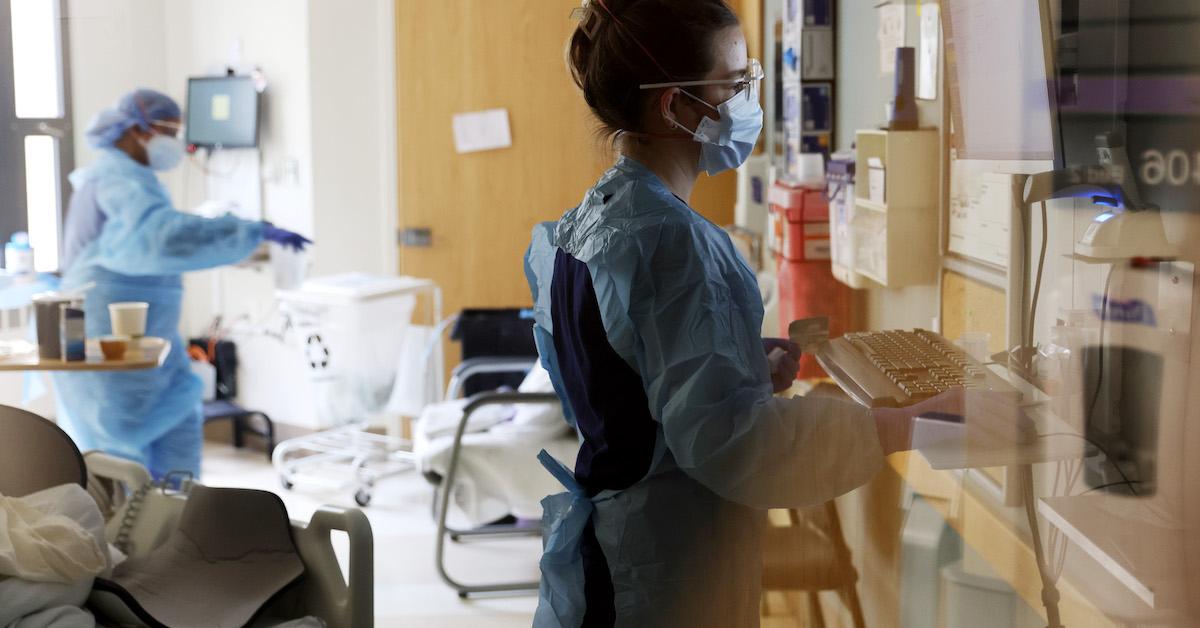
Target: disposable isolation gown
<point>648,320</point>
<point>138,254</point>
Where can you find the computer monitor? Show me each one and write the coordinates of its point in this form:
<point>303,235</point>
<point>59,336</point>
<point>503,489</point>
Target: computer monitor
<point>998,59</point>
<point>222,112</point>
<point>1131,70</point>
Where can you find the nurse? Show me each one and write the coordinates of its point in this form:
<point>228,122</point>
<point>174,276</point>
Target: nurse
<point>649,322</point>
<point>124,235</point>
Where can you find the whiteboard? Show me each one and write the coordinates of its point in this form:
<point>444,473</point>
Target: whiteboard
<point>981,211</point>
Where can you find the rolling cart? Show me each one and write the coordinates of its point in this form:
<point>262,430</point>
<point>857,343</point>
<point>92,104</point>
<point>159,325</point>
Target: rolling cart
<point>355,330</point>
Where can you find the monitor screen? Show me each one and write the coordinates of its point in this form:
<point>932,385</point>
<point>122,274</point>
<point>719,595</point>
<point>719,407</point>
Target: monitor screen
<point>1132,70</point>
<point>999,74</point>
<point>222,112</point>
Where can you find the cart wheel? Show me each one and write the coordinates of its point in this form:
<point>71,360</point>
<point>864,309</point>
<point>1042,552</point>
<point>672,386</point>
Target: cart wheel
<point>285,483</point>
<point>362,497</point>
<point>462,595</point>
<point>455,538</point>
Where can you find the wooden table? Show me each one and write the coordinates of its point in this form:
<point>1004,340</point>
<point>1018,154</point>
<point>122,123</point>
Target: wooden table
<point>146,353</point>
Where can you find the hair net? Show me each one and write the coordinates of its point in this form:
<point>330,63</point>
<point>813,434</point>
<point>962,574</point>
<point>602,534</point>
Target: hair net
<point>137,108</point>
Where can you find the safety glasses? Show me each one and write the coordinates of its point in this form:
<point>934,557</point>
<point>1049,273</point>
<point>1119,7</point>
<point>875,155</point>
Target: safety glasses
<point>747,84</point>
<point>174,129</point>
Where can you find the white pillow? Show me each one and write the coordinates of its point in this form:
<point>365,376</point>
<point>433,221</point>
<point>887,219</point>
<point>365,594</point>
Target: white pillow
<point>548,416</point>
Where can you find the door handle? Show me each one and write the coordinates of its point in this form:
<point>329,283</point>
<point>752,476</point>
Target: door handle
<point>56,132</point>
<point>416,237</point>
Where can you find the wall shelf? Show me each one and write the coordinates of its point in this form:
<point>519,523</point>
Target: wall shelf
<point>895,243</point>
<point>871,205</point>
<point>852,278</point>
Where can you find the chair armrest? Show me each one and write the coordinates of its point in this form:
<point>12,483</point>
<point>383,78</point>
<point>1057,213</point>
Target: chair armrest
<point>354,601</point>
<point>107,466</point>
<point>479,366</point>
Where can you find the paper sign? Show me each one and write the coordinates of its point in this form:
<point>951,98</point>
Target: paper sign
<point>890,35</point>
<point>927,53</point>
<point>221,107</point>
<point>481,130</point>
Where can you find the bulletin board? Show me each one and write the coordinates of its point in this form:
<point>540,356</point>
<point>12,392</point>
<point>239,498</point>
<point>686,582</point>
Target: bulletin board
<point>970,305</point>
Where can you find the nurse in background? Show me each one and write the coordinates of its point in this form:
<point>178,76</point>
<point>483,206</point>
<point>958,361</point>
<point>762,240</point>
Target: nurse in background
<point>124,235</point>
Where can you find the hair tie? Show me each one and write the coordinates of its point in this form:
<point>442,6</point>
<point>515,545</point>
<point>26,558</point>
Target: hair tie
<point>589,21</point>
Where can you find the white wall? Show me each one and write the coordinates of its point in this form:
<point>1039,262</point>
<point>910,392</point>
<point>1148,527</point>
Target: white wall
<point>115,46</point>
<point>353,78</point>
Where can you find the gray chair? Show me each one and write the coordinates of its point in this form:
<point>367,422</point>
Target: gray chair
<point>444,485</point>
<point>35,454</point>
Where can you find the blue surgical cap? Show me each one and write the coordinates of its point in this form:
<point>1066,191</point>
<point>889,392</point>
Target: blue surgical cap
<point>137,108</point>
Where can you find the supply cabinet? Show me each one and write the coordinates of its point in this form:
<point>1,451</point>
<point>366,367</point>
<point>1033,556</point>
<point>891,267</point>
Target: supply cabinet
<point>892,234</point>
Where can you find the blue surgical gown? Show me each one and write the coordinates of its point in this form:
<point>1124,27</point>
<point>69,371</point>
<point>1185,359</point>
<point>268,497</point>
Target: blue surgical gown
<point>139,245</point>
<point>649,322</point>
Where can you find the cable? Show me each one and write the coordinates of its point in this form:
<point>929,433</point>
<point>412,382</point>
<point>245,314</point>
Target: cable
<point>1037,288</point>
<point>1025,236</point>
<point>1050,595</point>
<point>1125,479</point>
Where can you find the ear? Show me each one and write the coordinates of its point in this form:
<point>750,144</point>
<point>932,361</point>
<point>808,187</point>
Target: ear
<point>139,133</point>
<point>674,105</point>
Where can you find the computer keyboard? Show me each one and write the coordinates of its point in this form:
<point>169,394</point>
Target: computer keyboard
<point>900,368</point>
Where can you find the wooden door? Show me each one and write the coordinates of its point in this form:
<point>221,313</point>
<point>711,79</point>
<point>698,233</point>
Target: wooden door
<point>457,56</point>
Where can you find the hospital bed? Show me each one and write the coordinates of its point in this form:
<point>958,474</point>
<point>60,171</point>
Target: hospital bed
<point>141,516</point>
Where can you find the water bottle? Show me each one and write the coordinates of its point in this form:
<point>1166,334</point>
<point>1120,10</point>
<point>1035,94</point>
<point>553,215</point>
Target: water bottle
<point>18,255</point>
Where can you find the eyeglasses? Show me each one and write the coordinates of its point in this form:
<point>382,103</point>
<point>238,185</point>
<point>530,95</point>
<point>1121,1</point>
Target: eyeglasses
<point>747,84</point>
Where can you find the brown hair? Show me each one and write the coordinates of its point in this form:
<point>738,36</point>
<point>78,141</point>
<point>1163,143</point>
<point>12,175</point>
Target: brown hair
<point>621,44</point>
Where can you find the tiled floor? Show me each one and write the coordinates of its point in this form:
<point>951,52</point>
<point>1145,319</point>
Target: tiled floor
<point>408,590</point>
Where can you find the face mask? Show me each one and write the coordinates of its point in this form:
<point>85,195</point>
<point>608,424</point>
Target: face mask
<point>163,152</point>
<point>728,142</point>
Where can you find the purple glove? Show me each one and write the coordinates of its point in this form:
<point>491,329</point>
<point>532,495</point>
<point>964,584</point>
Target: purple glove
<point>284,238</point>
<point>784,356</point>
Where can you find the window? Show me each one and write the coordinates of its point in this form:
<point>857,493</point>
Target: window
<point>36,151</point>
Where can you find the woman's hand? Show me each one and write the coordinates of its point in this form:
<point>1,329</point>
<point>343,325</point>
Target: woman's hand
<point>784,356</point>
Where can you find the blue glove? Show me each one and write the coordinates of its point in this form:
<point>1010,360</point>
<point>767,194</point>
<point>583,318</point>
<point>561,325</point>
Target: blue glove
<point>284,238</point>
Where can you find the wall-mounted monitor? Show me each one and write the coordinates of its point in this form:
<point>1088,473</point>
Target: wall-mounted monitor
<point>222,112</point>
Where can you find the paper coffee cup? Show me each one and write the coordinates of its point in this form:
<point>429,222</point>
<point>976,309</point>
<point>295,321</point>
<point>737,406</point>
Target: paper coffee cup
<point>128,318</point>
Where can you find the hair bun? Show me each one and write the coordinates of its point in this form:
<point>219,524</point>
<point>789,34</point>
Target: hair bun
<point>621,44</point>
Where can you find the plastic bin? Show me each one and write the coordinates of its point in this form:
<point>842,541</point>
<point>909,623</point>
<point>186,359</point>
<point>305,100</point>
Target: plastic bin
<point>349,329</point>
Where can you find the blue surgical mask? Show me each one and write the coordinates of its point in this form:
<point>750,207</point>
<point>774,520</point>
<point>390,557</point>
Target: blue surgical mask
<point>728,142</point>
<point>163,152</point>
